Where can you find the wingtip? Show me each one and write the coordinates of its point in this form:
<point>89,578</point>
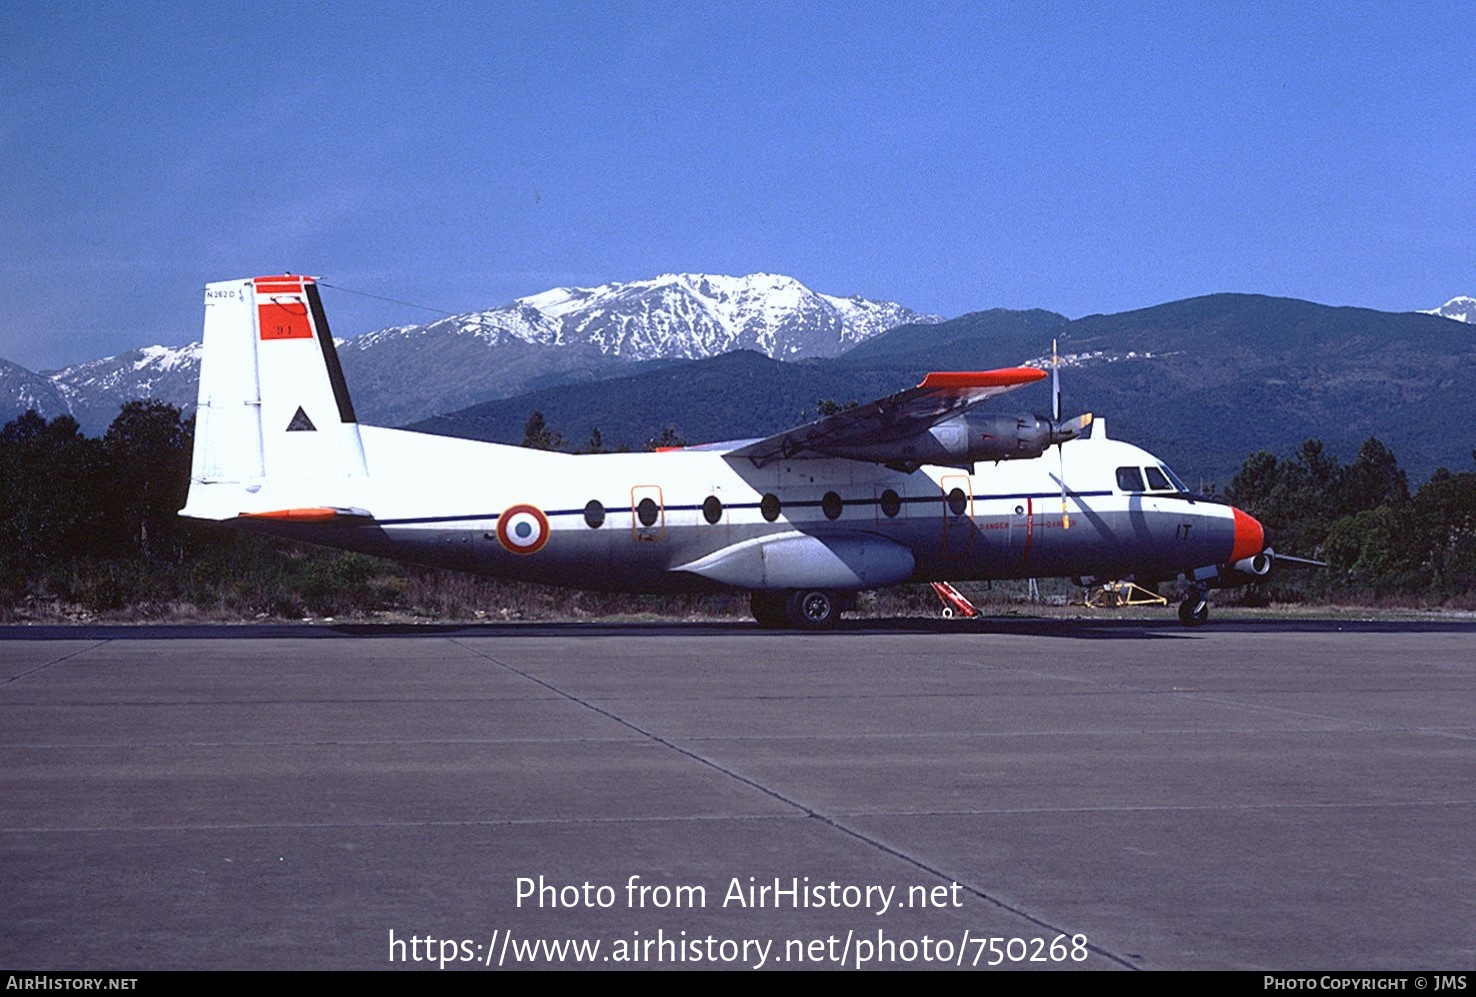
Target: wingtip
<point>1001,378</point>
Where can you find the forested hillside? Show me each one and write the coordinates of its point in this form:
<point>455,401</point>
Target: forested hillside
<point>89,526</point>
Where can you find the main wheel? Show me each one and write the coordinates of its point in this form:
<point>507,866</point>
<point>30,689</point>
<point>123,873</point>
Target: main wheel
<point>814,609</point>
<point>1193,611</point>
<point>769,609</point>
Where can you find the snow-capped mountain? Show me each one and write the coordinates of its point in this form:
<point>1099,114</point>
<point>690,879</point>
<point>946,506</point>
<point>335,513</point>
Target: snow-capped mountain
<point>701,315</point>
<point>584,333</point>
<point>405,373</point>
<point>676,316</point>
<point>1462,309</point>
<point>95,390</point>
<point>21,390</point>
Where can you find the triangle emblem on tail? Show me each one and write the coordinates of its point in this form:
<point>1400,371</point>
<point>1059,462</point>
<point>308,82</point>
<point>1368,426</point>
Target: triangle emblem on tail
<point>301,423</point>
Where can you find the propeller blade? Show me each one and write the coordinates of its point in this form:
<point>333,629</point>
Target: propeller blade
<point>1060,432</point>
<point>1065,519</point>
<point>1055,384</point>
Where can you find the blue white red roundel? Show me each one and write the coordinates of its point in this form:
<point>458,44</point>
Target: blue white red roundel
<point>522,529</point>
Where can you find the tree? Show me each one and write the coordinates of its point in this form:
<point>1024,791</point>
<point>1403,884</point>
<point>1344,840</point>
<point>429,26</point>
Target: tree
<point>1444,515</point>
<point>148,457</point>
<point>596,442</point>
<point>1373,479</point>
<point>52,493</point>
<point>32,426</point>
<point>1321,469</point>
<point>538,436</point>
<point>669,439</point>
<point>1255,482</point>
<point>1373,548</point>
<point>1297,500</point>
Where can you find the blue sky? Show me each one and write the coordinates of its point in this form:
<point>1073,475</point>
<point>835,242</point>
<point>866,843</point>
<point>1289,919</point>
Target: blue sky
<point>1081,157</point>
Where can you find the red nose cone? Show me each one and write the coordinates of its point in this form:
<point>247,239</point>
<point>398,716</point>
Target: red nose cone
<point>1250,539</point>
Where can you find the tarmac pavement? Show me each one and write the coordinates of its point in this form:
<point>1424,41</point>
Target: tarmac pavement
<point>1104,796</point>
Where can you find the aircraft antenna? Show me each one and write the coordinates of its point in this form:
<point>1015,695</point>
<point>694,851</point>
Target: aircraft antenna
<point>380,297</point>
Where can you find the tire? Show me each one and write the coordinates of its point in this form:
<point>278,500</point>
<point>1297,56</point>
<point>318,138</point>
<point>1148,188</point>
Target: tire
<point>769,609</point>
<point>1194,611</point>
<point>813,609</point>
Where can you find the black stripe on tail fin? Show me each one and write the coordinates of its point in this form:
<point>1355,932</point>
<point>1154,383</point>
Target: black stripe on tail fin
<point>330,354</point>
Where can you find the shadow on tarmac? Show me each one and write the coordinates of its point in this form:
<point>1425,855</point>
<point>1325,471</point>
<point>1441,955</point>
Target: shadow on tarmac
<point>1075,629</point>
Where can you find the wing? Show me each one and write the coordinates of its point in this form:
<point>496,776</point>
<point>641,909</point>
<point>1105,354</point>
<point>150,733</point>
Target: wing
<point>869,429</point>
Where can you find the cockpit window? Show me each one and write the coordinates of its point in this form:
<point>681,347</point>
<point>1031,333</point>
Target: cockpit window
<point>1130,479</point>
<point>1156,480</point>
<point>1173,477</point>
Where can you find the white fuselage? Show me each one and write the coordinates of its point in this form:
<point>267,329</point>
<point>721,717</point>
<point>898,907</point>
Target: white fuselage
<point>664,520</point>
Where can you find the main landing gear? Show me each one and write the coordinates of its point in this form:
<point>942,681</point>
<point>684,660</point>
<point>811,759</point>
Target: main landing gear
<point>803,609</point>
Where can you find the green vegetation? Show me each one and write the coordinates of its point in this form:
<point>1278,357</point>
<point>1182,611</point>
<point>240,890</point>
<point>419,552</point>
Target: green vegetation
<point>1380,543</point>
<point>537,435</point>
<point>88,527</point>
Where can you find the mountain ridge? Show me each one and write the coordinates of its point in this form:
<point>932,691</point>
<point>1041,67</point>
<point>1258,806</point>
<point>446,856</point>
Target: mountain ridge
<point>1202,382</point>
<point>1214,377</point>
<point>562,334</point>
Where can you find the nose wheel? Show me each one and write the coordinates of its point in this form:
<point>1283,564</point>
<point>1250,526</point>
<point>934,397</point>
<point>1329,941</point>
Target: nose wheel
<point>1194,610</point>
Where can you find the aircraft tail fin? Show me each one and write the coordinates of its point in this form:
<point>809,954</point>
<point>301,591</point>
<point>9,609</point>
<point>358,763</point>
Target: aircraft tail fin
<point>275,427</point>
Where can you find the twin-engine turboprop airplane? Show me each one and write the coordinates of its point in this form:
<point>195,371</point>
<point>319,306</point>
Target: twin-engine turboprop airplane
<point>917,486</point>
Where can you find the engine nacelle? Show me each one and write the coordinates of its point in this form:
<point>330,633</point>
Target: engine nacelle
<point>1007,437</point>
<point>966,438</point>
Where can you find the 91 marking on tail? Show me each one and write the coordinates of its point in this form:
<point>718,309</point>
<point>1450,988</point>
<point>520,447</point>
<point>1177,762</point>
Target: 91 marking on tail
<point>917,486</point>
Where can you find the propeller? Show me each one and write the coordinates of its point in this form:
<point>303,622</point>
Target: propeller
<point>1055,425</point>
<point>1055,384</point>
<point>1063,431</point>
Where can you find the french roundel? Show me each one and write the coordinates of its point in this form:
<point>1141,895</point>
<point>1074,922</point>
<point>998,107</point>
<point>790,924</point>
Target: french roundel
<point>522,529</point>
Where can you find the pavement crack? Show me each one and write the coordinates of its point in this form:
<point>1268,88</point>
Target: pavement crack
<point>56,661</point>
<point>826,819</point>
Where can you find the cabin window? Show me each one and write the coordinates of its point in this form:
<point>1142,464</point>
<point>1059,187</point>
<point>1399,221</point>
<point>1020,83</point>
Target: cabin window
<point>712,509</point>
<point>891,504</point>
<point>831,505</point>
<point>1130,479</point>
<point>1157,481</point>
<point>647,512</point>
<point>769,506</point>
<point>958,502</point>
<point>594,514</point>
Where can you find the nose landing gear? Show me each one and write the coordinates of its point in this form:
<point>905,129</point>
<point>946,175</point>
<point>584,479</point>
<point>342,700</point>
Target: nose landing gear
<point>1194,610</point>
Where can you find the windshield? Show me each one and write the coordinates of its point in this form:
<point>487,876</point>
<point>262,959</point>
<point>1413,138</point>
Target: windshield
<point>1173,477</point>
<point>1130,479</point>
